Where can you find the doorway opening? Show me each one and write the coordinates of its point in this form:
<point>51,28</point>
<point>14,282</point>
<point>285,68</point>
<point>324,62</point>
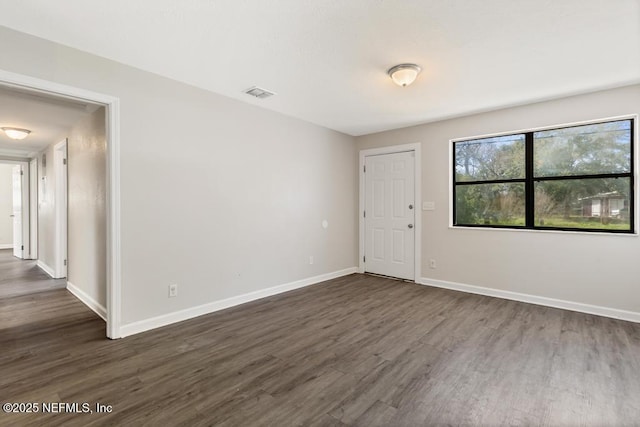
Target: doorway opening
<point>18,234</point>
<point>42,88</point>
<point>14,211</point>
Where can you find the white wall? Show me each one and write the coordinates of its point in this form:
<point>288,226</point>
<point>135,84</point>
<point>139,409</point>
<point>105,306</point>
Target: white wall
<point>601,270</point>
<point>6,206</point>
<point>86,172</point>
<point>218,196</point>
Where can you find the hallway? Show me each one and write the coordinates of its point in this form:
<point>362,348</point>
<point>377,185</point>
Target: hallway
<point>22,277</point>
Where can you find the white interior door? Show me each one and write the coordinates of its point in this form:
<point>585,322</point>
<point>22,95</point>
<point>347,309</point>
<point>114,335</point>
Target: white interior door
<point>60,160</point>
<point>33,209</point>
<point>17,211</point>
<point>389,215</point>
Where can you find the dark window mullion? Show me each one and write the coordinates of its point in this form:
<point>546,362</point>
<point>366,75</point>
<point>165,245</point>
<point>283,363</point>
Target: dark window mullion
<point>529,218</point>
<point>491,181</point>
<point>577,177</point>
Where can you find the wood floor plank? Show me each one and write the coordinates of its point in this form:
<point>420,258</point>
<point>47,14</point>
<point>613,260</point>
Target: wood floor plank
<point>378,414</point>
<point>358,350</point>
<point>23,277</point>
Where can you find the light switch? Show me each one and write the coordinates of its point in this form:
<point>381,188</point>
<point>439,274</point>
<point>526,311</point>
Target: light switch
<point>428,206</point>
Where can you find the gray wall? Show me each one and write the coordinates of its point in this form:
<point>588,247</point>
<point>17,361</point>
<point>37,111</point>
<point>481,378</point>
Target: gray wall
<point>592,269</point>
<point>218,196</point>
<point>6,205</point>
<point>86,169</point>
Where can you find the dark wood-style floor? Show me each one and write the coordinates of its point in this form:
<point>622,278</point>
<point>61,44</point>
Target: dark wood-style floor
<point>357,350</point>
<point>22,277</point>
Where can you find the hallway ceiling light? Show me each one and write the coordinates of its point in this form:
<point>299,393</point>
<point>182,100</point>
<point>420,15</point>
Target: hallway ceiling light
<point>404,74</point>
<point>16,133</point>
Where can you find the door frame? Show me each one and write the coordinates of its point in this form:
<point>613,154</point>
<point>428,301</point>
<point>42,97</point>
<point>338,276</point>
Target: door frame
<point>113,236</point>
<point>25,201</point>
<point>61,213</point>
<point>33,209</point>
<point>415,147</point>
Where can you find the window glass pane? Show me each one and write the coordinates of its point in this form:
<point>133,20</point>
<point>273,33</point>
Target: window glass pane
<point>601,203</point>
<point>583,150</point>
<point>500,157</point>
<point>490,204</point>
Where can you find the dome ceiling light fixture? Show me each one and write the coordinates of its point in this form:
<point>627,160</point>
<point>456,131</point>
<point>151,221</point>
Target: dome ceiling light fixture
<point>16,133</point>
<point>404,74</point>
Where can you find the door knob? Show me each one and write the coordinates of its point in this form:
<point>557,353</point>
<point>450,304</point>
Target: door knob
<point>410,225</point>
<point>410,206</point>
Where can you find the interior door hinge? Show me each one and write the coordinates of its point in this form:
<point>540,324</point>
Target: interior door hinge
<point>22,247</point>
<point>365,168</point>
<point>65,262</point>
<point>64,161</point>
<point>364,259</point>
<point>364,214</point>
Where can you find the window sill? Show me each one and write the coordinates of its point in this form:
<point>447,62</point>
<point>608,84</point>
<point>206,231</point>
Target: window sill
<point>526,230</point>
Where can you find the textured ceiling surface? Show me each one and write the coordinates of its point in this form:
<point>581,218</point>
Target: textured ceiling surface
<point>47,118</point>
<point>327,59</point>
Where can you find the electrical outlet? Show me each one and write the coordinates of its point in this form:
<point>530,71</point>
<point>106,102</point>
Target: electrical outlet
<point>173,290</point>
<point>432,263</point>
<point>311,260</point>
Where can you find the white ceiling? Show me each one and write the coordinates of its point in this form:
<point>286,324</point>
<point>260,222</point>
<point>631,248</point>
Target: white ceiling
<point>48,119</point>
<point>327,59</point>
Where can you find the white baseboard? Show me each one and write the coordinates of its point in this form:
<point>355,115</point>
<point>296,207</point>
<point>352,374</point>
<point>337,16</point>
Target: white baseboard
<point>50,271</point>
<point>87,300</point>
<point>6,245</point>
<point>189,313</point>
<point>615,313</point>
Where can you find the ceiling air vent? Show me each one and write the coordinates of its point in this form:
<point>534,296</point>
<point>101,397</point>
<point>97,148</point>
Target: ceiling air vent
<point>259,92</point>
